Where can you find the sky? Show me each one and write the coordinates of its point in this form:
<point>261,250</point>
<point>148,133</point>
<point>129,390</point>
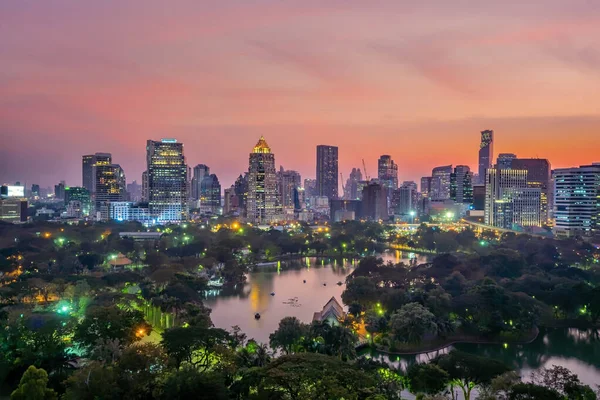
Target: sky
<point>416,81</point>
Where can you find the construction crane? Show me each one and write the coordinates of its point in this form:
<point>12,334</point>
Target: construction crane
<point>365,169</point>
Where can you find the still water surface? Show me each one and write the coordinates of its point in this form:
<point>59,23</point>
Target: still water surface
<point>574,349</point>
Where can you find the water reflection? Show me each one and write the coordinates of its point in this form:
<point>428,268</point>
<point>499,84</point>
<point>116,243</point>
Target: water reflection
<point>577,350</point>
<point>238,306</point>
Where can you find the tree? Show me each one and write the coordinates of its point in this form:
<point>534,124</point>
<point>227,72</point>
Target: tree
<point>427,378</point>
<point>197,345</point>
<point>288,334</point>
<point>309,376</point>
<point>360,290</point>
<point>412,322</point>
<point>33,386</point>
<point>530,391</point>
<point>469,371</point>
<point>94,381</point>
<point>109,323</point>
<point>189,383</point>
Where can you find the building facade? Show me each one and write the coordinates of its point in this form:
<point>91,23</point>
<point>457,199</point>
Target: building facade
<point>505,160</point>
<point>387,172</point>
<point>539,175</point>
<point>201,171</point>
<point>81,195</point>
<point>509,202</point>
<point>426,186</point>
<point>167,181</point>
<point>288,182</point>
<point>109,186</point>
<point>374,204</point>
<point>440,183</point>
<point>262,202</point>
<point>210,194</point>
<point>577,201</point>
<point>486,154</point>
<point>461,185</point>
<point>327,171</point>
<point>351,191</point>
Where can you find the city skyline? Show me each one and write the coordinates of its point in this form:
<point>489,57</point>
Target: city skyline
<point>404,80</point>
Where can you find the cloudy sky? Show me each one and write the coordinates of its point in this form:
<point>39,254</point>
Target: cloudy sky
<point>417,80</point>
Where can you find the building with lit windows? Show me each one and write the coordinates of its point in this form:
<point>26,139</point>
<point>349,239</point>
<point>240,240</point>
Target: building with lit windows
<point>486,154</point>
<point>201,171</point>
<point>505,160</point>
<point>327,171</point>
<point>13,209</point>
<point>88,162</point>
<point>461,185</point>
<point>577,201</point>
<point>440,183</point>
<point>109,186</point>
<point>510,203</point>
<point>288,182</point>
<point>374,204</point>
<point>262,202</point>
<point>130,211</point>
<point>210,195</point>
<point>539,175</point>
<point>426,186</point>
<point>80,195</point>
<point>167,181</point>
<point>387,172</point>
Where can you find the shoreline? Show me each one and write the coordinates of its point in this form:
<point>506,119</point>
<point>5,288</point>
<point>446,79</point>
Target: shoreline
<point>451,342</point>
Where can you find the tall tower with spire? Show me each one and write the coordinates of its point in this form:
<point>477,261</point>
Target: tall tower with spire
<point>262,203</point>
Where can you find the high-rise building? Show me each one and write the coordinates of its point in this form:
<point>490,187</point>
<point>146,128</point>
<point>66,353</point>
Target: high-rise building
<point>145,194</point>
<point>387,172</point>
<point>351,189</point>
<point>577,201</point>
<point>230,201</point>
<point>80,195</point>
<point>426,186</point>
<point>505,160</point>
<point>539,174</point>
<point>310,187</point>
<point>374,202</point>
<point>109,186</point>
<point>327,171</point>
<point>440,183</point>
<point>486,153</point>
<point>88,162</point>
<point>59,190</point>
<point>405,200</point>
<point>35,191</point>
<point>167,181</point>
<point>201,171</point>
<point>461,185</point>
<point>509,201</point>
<point>287,182</point>
<point>13,209</point>
<point>262,206</point>
<point>134,191</point>
<point>241,192</point>
<point>210,194</point>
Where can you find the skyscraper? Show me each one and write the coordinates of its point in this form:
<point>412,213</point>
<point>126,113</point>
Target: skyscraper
<point>374,202</point>
<point>505,160</point>
<point>210,194</point>
<point>241,192</point>
<point>539,174</point>
<point>440,183</point>
<point>426,186</point>
<point>109,186</point>
<point>461,185</point>
<point>577,201</point>
<point>509,201</point>
<point>87,168</point>
<point>327,171</point>
<point>351,189</point>
<point>167,180</point>
<point>201,171</point>
<point>287,182</point>
<point>262,203</point>
<point>59,190</point>
<point>387,172</point>
<point>486,153</point>
<point>80,195</point>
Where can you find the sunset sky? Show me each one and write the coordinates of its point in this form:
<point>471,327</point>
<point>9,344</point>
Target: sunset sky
<point>417,80</point>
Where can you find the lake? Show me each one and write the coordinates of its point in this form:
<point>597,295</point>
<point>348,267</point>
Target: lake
<point>576,350</point>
